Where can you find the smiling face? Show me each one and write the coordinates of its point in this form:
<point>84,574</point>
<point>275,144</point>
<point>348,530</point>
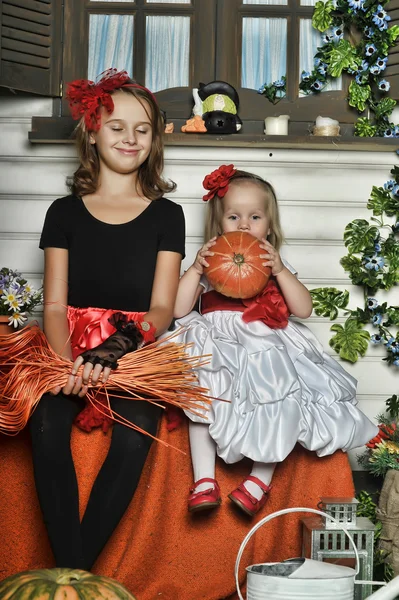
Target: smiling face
<point>125,137</point>
<point>244,209</point>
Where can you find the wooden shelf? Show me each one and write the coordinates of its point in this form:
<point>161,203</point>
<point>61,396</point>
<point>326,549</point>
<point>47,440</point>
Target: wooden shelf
<point>58,130</point>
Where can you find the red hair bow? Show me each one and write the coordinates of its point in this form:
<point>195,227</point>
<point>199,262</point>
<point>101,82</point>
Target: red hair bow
<point>218,181</point>
<point>86,97</point>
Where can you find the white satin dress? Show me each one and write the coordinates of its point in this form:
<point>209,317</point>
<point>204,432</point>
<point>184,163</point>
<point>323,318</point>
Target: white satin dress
<point>276,387</point>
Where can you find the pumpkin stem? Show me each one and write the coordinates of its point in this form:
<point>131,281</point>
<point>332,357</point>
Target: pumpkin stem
<point>68,578</point>
<point>239,259</point>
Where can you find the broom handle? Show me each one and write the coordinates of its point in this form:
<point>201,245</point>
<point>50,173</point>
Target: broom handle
<point>285,512</point>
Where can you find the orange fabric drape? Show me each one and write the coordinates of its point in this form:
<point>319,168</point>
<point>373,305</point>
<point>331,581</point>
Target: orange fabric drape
<point>159,551</point>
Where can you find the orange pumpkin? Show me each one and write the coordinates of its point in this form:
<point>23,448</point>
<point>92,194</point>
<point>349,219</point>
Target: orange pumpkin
<point>235,270</point>
<point>62,584</point>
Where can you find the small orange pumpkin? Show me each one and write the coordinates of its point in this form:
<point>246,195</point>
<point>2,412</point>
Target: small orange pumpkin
<point>62,584</point>
<point>235,270</point>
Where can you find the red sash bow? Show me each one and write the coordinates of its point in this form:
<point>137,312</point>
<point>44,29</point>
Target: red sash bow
<point>268,306</point>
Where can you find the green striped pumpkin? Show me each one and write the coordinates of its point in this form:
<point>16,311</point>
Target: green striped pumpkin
<point>62,584</point>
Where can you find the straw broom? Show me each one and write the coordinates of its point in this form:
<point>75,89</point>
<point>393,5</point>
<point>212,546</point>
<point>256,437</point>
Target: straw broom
<point>159,372</point>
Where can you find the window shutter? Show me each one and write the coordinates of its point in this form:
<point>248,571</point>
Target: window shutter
<point>392,71</point>
<point>30,45</point>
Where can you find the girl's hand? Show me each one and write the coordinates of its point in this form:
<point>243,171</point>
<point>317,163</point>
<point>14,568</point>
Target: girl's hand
<point>200,260</point>
<point>93,373</point>
<point>74,386</point>
<point>273,259</point>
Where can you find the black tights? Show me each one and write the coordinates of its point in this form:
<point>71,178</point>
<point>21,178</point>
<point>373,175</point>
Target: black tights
<point>77,545</point>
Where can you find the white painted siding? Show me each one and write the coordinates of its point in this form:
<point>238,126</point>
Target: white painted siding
<point>319,193</point>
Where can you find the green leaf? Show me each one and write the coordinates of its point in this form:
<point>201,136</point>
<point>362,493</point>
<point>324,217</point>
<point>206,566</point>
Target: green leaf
<point>392,314</point>
<point>322,18</point>
<point>392,33</point>
<point>358,95</point>
<point>359,235</point>
<point>364,128</point>
<point>350,341</point>
<point>327,301</point>
<point>393,406</point>
<point>384,107</point>
<point>379,200</point>
<point>343,56</point>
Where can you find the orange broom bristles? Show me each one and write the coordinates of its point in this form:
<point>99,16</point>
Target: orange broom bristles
<point>159,372</point>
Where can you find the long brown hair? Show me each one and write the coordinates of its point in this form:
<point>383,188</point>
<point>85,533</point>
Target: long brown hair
<point>215,209</point>
<point>150,181</point>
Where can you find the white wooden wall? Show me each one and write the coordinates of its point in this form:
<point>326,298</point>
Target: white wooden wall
<point>319,193</point>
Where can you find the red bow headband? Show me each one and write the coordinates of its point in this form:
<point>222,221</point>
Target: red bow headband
<point>86,97</point>
<point>218,181</point>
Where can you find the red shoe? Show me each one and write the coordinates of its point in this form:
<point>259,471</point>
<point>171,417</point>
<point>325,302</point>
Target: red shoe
<point>244,499</point>
<point>205,499</point>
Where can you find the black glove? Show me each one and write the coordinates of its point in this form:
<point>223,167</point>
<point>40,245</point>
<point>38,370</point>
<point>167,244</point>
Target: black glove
<point>126,338</point>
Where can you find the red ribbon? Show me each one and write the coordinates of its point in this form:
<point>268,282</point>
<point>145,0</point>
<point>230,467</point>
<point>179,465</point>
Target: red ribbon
<point>89,327</point>
<point>268,306</point>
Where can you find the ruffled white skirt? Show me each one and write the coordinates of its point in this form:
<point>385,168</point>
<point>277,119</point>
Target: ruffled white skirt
<point>275,387</point>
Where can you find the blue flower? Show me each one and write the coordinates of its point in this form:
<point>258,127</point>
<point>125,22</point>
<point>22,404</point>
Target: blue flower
<point>305,76</point>
<point>377,319</point>
<point>384,85</point>
<point>395,228</point>
<point>317,85</point>
<point>390,133</point>
<point>326,39</point>
<point>381,14</point>
<point>279,83</point>
<point>322,69</point>
<point>396,131</point>
<point>377,247</point>
<point>393,345</point>
<point>261,89</point>
<point>370,49</point>
<point>389,185</point>
<point>374,262</point>
<point>395,190</point>
<point>364,66</point>
<point>338,34</point>
<point>359,78</point>
<point>356,5</point>
<point>376,339</point>
<point>372,303</point>
<point>380,18</point>
<point>375,70</point>
<point>396,362</point>
<point>381,63</point>
<point>368,32</point>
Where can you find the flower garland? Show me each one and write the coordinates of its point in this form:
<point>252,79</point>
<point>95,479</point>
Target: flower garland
<point>365,60</point>
<point>373,263</point>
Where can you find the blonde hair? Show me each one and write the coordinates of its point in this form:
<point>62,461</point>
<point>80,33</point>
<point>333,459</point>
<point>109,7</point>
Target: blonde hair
<point>150,181</point>
<point>215,209</point>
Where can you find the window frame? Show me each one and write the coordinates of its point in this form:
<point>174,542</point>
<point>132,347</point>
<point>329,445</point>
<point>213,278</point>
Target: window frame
<point>175,101</point>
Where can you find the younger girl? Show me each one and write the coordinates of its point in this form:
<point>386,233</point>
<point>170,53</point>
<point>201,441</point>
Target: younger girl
<point>276,384</point>
<point>112,250</point>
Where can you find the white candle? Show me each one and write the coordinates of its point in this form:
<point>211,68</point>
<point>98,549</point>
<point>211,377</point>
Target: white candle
<point>277,125</point>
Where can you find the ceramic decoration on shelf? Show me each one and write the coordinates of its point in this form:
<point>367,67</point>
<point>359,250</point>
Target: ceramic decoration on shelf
<point>215,109</point>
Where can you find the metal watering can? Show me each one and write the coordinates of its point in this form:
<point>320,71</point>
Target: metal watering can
<point>302,578</point>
